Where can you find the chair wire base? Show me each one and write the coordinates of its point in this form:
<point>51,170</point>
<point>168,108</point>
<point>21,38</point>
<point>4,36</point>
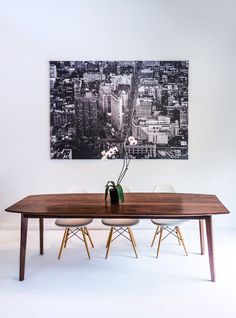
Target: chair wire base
<point>69,233</point>
<point>173,231</point>
<point>121,231</point>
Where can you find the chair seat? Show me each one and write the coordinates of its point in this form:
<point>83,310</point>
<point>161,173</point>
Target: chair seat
<point>168,222</point>
<point>120,222</point>
<point>72,222</point>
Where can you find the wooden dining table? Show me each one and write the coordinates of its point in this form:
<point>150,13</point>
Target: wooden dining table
<point>136,205</point>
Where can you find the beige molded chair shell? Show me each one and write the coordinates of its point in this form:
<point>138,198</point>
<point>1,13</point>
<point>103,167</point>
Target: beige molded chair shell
<point>75,226</point>
<point>169,225</point>
<point>120,222</point>
<point>120,227</point>
<point>72,222</point>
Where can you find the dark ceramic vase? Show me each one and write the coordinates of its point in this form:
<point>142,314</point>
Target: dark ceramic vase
<point>114,196</point>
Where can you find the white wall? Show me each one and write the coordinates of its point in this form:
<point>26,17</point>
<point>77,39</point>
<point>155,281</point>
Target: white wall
<point>34,32</point>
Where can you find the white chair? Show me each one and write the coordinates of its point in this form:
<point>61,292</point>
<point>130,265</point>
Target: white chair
<point>74,226</point>
<point>169,225</point>
<point>120,227</point>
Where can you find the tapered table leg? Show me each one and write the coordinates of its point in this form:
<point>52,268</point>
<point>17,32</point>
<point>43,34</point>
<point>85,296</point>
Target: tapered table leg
<point>23,240</point>
<point>41,235</point>
<point>210,246</point>
<point>202,240</point>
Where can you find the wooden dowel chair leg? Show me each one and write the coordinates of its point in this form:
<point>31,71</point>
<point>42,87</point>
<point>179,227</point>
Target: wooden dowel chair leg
<point>132,241</point>
<point>132,234</point>
<point>155,235</point>
<point>109,241</point>
<point>87,233</point>
<point>85,242</point>
<point>182,241</point>
<point>159,242</point>
<point>66,237</point>
<point>62,244</point>
<point>176,231</point>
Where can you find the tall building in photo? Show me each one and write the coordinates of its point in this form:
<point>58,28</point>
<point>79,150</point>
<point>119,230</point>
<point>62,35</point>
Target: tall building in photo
<point>153,131</point>
<point>119,102</point>
<point>86,115</point>
<point>155,134</point>
<point>117,80</point>
<point>105,97</point>
<point>53,75</point>
<point>63,117</point>
<point>144,107</point>
<point>183,120</point>
<point>91,77</point>
<point>174,129</point>
<point>77,89</point>
<point>53,71</point>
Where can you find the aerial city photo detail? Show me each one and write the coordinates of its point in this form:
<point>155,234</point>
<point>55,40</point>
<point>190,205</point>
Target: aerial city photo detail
<point>96,105</point>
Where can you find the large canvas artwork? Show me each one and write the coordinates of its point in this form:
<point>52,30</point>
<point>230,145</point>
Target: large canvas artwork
<point>96,105</point>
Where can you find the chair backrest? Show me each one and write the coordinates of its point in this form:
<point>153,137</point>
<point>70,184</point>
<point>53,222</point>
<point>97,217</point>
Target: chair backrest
<point>163,188</point>
<point>77,189</point>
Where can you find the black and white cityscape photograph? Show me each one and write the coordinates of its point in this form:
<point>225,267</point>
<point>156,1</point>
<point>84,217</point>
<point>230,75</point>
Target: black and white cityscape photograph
<point>100,105</point>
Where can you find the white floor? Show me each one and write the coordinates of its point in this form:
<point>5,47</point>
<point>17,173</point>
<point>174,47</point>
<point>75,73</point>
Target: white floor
<point>122,286</point>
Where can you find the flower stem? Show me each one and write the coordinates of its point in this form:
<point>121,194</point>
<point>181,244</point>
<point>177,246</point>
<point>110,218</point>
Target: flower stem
<point>127,162</point>
<point>122,171</point>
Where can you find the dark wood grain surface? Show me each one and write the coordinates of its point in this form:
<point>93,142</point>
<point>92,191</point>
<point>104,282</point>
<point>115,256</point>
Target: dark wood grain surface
<point>141,205</point>
<point>136,205</point>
